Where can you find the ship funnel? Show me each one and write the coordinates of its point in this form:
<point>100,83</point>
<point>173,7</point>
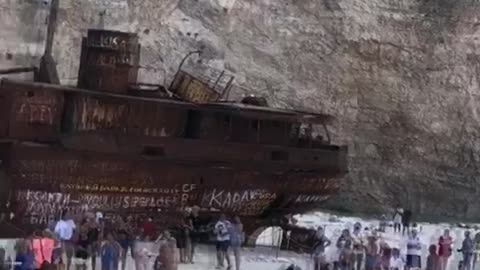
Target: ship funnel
<point>109,61</point>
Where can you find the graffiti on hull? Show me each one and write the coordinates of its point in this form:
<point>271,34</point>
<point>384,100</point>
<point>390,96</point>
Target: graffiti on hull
<point>245,202</point>
<point>41,207</point>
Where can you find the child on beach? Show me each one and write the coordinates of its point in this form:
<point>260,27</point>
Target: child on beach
<point>166,260</point>
<point>433,260</point>
<point>396,261</point>
<point>110,253</point>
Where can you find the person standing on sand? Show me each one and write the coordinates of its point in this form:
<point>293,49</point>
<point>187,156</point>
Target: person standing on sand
<point>93,234</point>
<point>237,237</point>
<point>358,246</point>
<point>194,222</point>
<point>321,242</point>
<point>372,253</point>
<point>476,252</point>
<point>110,253</point>
<point>345,240</point>
<point>397,220</point>
<point>3,265</point>
<point>406,219</point>
<point>182,235</point>
<point>414,251</point>
<point>346,257</point>
<point>42,246</point>
<point>383,223</point>
<point>467,249</point>
<point>444,249</point>
<point>82,246</point>
<point>187,230</point>
<point>222,234</point>
<point>65,229</point>
<point>140,252</point>
<point>433,260</point>
<point>148,227</point>
<point>167,258</point>
<point>24,257</point>
<point>396,262</point>
<point>125,239</point>
<point>385,255</point>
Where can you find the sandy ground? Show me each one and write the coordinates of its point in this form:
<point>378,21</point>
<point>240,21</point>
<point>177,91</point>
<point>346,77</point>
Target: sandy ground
<point>252,259</point>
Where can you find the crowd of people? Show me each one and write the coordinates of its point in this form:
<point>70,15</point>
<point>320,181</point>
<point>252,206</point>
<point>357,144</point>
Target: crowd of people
<point>366,248</point>
<point>74,243</point>
<point>68,244</point>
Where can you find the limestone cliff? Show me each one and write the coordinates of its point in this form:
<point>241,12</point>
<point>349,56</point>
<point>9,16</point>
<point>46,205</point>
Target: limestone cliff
<point>401,77</point>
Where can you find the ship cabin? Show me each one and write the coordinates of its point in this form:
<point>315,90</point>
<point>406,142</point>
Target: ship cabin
<point>228,133</point>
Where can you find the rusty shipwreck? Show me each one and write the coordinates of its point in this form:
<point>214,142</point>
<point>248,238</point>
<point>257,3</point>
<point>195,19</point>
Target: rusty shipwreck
<point>109,146</point>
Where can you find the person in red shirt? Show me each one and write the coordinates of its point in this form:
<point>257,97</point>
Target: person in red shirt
<point>444,249</point>
<point>42,246</point>
<point>148,228</point>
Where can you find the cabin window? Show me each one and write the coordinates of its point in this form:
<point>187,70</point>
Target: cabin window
<point>276,124</point>
<point>153,151</point>
<point>254,124</point>
<point>279,156</point>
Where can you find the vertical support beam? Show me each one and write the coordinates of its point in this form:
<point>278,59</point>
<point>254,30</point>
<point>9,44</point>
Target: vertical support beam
<point>48,68</point>
<point>258,131</point>
<point>52,25</point>
<point>229,128</point>
<point>310,135</point>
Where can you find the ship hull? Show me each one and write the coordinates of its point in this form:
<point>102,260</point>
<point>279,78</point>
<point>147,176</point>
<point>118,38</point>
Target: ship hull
<point>45,180</point>
<point>120,155</point>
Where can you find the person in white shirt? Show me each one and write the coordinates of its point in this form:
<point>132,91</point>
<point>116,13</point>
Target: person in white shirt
<point>414,251</point>
<point>65,229</point>
<point>397,220</point>
<point>358,246</point>
<point>396,261</point>
<point>221,231</point>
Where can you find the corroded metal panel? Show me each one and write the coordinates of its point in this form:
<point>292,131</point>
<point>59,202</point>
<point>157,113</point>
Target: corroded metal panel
<point>96,114</point>
<point>31,113</point>
<point>192,89</point>
<point>4,114</point>
<point>112,40</point>
<point>224,126</point>
<point>109,61</point>
<point>214,153</point>
<point>45,181</point>
<point>128,117</point>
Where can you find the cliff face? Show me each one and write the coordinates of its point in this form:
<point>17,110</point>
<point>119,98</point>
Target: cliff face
<point>401,77</point>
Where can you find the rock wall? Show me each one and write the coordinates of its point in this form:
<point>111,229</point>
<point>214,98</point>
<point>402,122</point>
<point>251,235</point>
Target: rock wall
<point>401,76</point>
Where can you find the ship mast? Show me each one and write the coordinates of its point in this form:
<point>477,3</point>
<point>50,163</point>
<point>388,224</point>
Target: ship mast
<point>48,68</point>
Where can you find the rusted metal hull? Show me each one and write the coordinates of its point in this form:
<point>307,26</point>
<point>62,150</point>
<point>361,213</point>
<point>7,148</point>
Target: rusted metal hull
<point>124,155</point>
<point>109,61</point>
<point>29,114</point>
<point>140,118</point>
<point>116,124</point>
<point>46,180</point>
<point>192,89</point>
